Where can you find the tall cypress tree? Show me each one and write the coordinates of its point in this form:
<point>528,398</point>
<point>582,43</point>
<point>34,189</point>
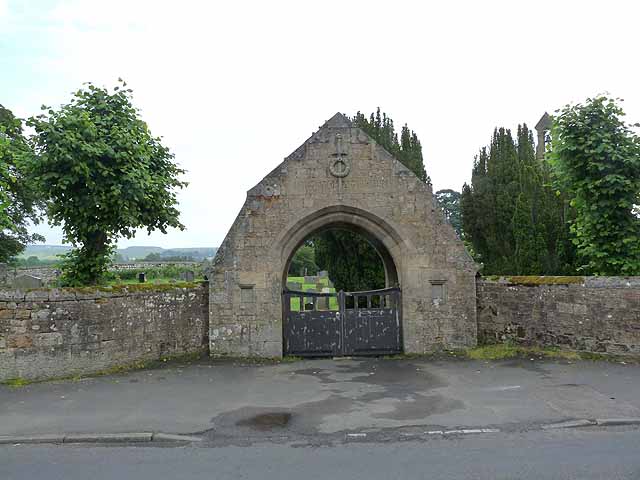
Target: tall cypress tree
<point>408,150</point>
<point>352,262</point>
<point>512,218</point>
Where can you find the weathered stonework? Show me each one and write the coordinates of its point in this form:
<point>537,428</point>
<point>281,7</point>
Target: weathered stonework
<point>59,332</point>
<point>597,314</point>
<point>48,333</point>
<point>340,177</point>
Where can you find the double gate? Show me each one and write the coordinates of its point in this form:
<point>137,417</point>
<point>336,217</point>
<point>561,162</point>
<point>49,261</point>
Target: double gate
<point>342,323</point>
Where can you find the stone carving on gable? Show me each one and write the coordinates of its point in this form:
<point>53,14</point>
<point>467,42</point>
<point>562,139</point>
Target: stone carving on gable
<point>339,165</point>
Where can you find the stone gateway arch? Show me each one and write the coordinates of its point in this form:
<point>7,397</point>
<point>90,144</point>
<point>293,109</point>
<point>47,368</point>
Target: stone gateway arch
<point>341,178</point>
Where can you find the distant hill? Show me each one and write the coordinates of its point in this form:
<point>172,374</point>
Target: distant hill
<point>45,252</point>
<point>199,253</point>
<point>49,252</point>
<point>138,253</point>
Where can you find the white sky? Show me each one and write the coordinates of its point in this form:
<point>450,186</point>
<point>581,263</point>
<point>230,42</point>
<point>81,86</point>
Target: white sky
<point>235,86</point>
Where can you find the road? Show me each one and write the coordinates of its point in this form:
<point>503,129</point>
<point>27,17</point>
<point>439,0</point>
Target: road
<point>606,454</point>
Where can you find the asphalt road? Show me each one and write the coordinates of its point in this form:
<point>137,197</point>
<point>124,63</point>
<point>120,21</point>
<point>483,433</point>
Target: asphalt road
<point>569,454</point>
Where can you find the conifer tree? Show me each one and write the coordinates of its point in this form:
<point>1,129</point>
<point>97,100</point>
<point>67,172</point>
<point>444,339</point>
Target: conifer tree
<point>362,268</point>
<point>513,220</point>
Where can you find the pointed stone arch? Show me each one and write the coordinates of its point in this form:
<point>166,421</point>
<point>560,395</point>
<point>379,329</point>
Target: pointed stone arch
<point>382,236</point>
<point>340,177</point>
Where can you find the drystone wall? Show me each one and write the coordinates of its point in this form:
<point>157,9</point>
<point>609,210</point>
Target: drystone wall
<point>591,314</point>
<point>47,275</point>
<point>48,333</point>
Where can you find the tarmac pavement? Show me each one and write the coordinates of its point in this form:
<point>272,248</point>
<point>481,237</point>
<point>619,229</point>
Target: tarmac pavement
<point>232,402</point>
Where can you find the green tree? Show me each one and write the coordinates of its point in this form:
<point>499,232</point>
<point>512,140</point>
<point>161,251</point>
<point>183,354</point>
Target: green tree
<point>596,158</point>
<point>449,202</point>
<point>352,263</point>
<point>408,150</point>
<point>513,220</point>
<point>103,175</point>
<point>18,199</point>
<point>304,261</point>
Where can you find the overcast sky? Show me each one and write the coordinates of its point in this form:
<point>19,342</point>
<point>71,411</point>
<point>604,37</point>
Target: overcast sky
<point>235,86</point>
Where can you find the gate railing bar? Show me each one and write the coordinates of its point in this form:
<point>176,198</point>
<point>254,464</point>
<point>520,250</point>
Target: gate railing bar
<point>375,292</point>
<point>335,294</point>
<point>308,294</point>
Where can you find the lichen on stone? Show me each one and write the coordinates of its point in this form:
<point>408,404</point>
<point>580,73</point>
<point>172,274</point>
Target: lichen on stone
<point>532,280</point>
<point>545,280</point>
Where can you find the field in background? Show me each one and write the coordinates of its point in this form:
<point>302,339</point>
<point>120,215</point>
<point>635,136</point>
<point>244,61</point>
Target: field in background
<point>163,274</point>
<point>49,253</point>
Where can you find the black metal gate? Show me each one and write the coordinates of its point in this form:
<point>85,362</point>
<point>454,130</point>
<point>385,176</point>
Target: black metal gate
<point>342,323</point>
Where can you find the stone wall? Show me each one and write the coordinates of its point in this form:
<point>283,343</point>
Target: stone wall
<point>48,275</point>
<point>58,332</point>
<point>592,314</point>
<point>116,267</point>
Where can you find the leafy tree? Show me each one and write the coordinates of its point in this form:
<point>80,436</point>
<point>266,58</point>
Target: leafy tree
<point>304,260</point>
<point>34,261</point>
<point>352,263</point>
<point>117,258</point>
<point>512,218</point>
<point>449,202</point>
<point>596,159</point>
<point>164,257</point>
<point>18,198</point>
<point>103,175</point>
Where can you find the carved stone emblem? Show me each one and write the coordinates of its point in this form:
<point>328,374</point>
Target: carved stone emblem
<point>340,165</point>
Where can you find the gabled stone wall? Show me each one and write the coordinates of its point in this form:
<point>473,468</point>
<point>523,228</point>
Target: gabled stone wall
<point>373,195</point>
<point>48,333</point>
<point>591,314</point>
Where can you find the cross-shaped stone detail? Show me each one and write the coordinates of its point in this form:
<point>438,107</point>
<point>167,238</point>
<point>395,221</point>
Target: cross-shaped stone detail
<point>340,165</point>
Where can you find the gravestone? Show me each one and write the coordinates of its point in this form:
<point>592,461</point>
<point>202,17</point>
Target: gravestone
<point>26,281</point>
<point>297,286</point>
<point>187,276</point>
<point>142,277</point>
<point>322,303</point>
<point>323,274</point>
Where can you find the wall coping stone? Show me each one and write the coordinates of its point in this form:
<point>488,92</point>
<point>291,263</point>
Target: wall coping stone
<point>540,280</point>
<point>12,295</point>
<point>93,293</point>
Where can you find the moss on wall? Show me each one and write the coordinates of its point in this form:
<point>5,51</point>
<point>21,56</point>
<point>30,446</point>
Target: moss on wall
<point>535,280</point>
<point>125,288</point>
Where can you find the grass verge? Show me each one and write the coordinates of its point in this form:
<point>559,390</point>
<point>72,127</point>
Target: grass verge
<point>505,351</point>
<point>115,370</point>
